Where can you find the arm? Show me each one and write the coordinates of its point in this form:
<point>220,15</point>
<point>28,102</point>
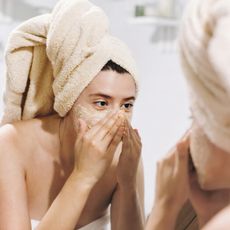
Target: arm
<point>171,188</point>
<point>13,208</point>
<point>94,150</point>
<point>66,209</point>
<point>127,209</point>
<point>94,147</point>
<point>161,218</point>
<point>13,197</point>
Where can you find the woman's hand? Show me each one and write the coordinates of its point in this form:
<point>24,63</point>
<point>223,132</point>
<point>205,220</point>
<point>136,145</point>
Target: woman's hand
<point>127,209</point>
<point>172,177</point>
<point>94,148</point>
<point>171,187</point>
<point>129,159</point>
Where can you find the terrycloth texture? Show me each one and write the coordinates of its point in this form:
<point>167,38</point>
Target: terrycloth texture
<point>50,59</point>
<point>205,54</point>
<point>102,223</point>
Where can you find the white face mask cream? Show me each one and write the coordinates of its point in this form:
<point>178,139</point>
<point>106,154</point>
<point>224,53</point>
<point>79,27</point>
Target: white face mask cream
<point>91,116</point>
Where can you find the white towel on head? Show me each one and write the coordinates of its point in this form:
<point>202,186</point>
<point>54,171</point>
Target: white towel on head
<point>205,55</point>
<point>52,58</point>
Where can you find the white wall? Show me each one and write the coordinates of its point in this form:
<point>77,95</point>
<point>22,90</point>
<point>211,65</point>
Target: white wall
<point>161,112</point>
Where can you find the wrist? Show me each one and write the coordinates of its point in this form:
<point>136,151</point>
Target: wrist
<point>129,188</point>
<point>163,217</point>
<point>79,179</point>
<point>127,183</point>
<point>164,207</point>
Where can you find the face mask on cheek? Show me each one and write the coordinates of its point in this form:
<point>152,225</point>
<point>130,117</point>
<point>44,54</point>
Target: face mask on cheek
<point>92,116</point>
<point>89,115</point>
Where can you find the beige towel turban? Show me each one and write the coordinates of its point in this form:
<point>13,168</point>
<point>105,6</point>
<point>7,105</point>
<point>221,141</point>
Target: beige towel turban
<point>205,53</point>
<point>50,59</point>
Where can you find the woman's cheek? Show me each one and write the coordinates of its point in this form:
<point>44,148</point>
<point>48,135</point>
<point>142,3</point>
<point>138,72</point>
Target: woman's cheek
<point>89,115</point>
<point>92,116</point>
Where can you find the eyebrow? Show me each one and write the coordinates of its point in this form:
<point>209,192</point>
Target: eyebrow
<point>109,97</point>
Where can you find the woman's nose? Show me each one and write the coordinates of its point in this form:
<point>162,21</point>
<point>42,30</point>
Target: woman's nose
<point>117,108</point>
<point>121,110</point>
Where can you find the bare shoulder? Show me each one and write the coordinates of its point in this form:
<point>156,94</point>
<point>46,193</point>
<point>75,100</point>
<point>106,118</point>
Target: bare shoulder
<point>12,134</point>
<point>8,136</point>
<point>13,140</point>
<point>13,198</point>
<point>9,142</point>
<point>219,221</point>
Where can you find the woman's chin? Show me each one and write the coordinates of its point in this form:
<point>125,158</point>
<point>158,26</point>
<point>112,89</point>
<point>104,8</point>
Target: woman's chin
<point>212,178</point>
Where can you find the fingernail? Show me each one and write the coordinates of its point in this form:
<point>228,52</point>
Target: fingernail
<point>136,131</point>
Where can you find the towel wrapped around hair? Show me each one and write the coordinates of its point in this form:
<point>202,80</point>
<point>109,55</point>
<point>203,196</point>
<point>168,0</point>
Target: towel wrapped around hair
<point>205,55</point>
<point>50,59</point>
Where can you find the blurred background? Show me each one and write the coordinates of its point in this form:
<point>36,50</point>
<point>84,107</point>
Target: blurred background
<point>150,28</point>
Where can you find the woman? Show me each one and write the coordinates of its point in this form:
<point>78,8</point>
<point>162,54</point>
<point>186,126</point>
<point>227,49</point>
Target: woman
<point>70,91</point>
<point>171,187</point>
<point>204,47</point>
<point>177,182</point>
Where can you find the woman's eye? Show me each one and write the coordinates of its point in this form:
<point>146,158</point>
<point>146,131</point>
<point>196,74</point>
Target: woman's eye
<point>127,106</point>
<point>101,103</point>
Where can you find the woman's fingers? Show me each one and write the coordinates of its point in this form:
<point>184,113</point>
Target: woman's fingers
<point>126,136</point>
<point>181,155</point>
<point>133,133</point>
<point>181,160</point>
<point>136,138</point>
<point>137,135</point>
<point>116,140</point>
<point>108,135</point>
<point>109,119</point>
<point>108,129</point>
<point>184,141</point>
<point>183,152</point>
<point>82,129</point>
<point>172,175</point>
<point>132,139</point>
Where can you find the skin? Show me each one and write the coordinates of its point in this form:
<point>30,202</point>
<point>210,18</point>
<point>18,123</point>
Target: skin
<point>56,168</point>
<point>211,162</point>
<point>177,181</point>
<point>220,221</point>
<point>171,187</point>
<point>210,193</point>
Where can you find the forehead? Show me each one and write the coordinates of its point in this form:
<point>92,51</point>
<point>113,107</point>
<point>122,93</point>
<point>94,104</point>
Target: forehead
<point>112,83</point>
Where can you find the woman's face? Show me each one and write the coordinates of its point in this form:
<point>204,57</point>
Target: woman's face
<point>109,91</point>
<point>211,162</point>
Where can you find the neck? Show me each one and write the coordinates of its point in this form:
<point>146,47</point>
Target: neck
<point>49,140</point>
<point>67,136</point>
